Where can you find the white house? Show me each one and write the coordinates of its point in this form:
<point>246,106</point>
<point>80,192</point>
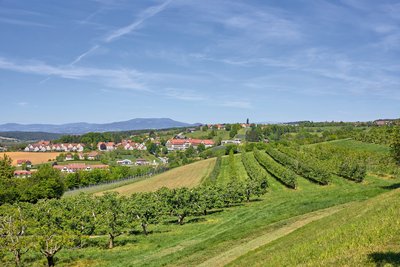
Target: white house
<point>234,142</point>
<point>124,162</point>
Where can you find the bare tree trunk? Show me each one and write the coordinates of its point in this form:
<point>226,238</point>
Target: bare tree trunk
<point>111,241</point>
<point>50,260</point>
<point>144,227</point>
<point>180,219</point>
<point>17,255</point>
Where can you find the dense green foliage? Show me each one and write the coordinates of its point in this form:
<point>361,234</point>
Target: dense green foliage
<point>29,136</point>
<point>307,169</point>
<point>46,182</point>
<point>285,176</point>
<point>395,145</point>
<point>376,134</point>
<point>51,225</point>
<point>341,161</point>
<point>253,169</point>
<point>97,176</point>
<point>254,134</point>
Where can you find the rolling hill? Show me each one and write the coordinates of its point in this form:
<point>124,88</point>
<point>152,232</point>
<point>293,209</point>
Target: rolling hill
<point>83,127</point>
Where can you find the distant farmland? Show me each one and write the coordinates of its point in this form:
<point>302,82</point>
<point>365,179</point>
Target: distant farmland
<point>34,157</point>
<point>189,175</point>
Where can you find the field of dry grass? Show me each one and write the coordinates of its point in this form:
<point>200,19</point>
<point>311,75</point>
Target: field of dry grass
<point>34,157</point>
<point>190,175</point>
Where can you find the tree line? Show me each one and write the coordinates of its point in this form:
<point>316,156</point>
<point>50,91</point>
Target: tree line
<point>48,182</point>
<point>54,224</point>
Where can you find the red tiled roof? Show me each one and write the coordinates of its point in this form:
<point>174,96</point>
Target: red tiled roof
<point>22,161</point>
<point>22,172</point>
<point>177,141</point>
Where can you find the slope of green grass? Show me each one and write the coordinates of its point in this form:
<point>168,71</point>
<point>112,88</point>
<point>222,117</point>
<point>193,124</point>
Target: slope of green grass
<point>363,234</point>
<point>360,146</point>
<point>246,234</point>
<point>224,178</point>
<point>206,237</point>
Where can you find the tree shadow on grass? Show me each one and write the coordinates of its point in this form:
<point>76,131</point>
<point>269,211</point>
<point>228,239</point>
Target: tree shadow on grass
<point>149,232</point>
<point>255,200</point>
<point>209,212</point>
<point>382,258</point>
<point>391,187</point>
<point>195,220</point>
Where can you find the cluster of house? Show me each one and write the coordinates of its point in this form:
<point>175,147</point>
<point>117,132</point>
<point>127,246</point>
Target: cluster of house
<point>71,168</point>
<point>183,144</point>
<point>22,174</point>
<point>45,146</point>
<point>222,126</point>
<point>27,163</point>
<point>125,144</point>
<point>138,162</point>
<point>142,162</point>
<point>83,156</point>
<point>383,122</point>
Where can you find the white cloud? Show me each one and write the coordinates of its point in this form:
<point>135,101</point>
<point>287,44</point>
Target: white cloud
<point>117,78</point>
<point>24,22</point>
<point>81,56</point>
<point>186,95</point>
<point>145,15</point>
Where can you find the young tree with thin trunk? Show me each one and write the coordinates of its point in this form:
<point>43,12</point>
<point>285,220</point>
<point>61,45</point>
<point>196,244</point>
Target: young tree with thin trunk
<point>14,224</point>
<point>110,216</point>
<point>183,203</point>
<point>50,235</point>
<point>143,208</point>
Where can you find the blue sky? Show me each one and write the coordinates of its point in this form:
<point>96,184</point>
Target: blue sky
<point>199,61</point>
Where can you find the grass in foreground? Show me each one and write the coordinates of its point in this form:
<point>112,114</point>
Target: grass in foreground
<point>364,234</point>
<point>207,237</point>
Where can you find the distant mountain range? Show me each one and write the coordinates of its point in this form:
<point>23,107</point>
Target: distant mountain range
<point>83,127</point>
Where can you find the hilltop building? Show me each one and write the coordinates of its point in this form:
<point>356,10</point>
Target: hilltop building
<point>183,144</point>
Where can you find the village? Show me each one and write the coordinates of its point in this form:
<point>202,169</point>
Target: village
<point>75,157</point>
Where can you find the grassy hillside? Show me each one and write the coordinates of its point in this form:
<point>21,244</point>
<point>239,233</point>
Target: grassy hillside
<point>363,234</point>
<point>186,176</point>
<point>204,238</point>
<point>360,146</point>
<point>336,224</point>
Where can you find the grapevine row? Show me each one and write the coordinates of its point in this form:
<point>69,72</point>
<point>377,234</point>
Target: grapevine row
<point>300,167</point>
<point>285,176</point>
<point>253,169</point>
<point>341,161</point>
